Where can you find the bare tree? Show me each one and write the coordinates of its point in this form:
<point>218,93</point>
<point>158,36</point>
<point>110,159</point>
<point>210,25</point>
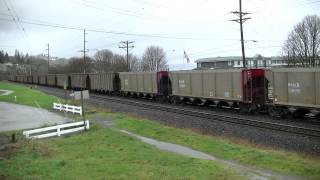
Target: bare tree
<point>302,46</point>
<point>134,63</point>
<point>103,60</point>
<point>119,63</point>
<point>78,65</point>
<point>154,59</point>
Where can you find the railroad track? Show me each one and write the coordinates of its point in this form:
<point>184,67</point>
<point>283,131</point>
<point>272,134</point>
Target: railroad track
<point>275,126</point>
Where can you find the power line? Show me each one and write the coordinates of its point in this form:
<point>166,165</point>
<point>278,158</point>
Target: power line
<point>16,20</point>
<point>165,36</point>
<point>125,12</point>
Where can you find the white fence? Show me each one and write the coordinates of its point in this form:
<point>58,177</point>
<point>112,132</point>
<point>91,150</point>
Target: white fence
<point>56,130</point>
<point>68,108</point>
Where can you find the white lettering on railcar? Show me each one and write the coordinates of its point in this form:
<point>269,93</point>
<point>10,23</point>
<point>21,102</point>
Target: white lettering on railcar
<point>294,88</point>
<point>182,84</point>
<point>211,93</point>
<point>126,82</point>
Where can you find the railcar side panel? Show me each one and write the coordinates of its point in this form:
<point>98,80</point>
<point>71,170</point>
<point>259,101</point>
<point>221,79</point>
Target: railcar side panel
<point>102,81</point>
<point>317,87</point>
<point>42,80</point>
<point>20,78</point>
<point>209,84</point>
<point>29,79</point>
<point>196,84</point>
<point>35,79</point>
<point>51,80</point>
<point>62,80</point>
<point>139,82</point>
<point>79,81</point>
<point>295,86</point>
<point>280,87</point>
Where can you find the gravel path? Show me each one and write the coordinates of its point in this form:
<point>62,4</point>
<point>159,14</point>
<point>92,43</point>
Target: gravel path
<point>17,117</point>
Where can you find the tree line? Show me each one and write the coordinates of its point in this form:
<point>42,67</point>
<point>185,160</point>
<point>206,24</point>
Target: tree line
<point>153,59</point>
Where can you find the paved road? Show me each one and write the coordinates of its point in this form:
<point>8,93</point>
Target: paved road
<point>17,117</point>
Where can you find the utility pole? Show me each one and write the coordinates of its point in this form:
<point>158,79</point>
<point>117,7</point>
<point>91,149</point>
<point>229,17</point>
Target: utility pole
<point>126,45</point>
<point>241,20</point>
<point>84,50</point>
<point>48,55</point>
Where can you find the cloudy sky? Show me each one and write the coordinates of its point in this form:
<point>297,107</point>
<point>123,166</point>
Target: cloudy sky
<point>202,28</point>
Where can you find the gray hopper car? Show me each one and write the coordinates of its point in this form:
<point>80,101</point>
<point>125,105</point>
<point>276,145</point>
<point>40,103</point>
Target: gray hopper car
<point>207,85</point>
<point>79,81</point>
<point>51,80</point>
<point>104,82</point>
<point>21,78</point>
<point>29,79</point>
<point>294,87</point>
<point>62,80</point>
<point>139,83</point>
<point>42,80</point>
<point>35,79</point>
<point>12,78</point>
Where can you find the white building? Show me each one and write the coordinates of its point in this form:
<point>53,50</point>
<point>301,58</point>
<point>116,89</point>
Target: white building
<point>236,62</point>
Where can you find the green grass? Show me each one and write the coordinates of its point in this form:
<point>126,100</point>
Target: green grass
<point>27,96</point>
<point>104,153</point>
<point>277,160</point>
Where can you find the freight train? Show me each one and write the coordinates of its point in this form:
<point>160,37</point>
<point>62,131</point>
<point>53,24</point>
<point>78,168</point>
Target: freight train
<point>281,92</point>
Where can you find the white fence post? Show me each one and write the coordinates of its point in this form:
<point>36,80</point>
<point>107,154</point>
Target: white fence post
<point>57,130</point>
<point>68,108</point>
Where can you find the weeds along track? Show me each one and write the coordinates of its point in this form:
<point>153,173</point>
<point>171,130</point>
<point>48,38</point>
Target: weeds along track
<point>193,112</point>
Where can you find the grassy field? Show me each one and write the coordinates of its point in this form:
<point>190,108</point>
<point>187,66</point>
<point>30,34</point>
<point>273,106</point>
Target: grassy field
<point>27,96</point>
<point>280,161</point>
<point>107,153</point>
<point>103,153</point>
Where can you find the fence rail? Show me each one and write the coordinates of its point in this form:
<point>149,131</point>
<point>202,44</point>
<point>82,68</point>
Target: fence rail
<point>57,130</point>
<point>68,108</point>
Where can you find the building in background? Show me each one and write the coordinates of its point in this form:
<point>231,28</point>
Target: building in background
<point>236,62</point>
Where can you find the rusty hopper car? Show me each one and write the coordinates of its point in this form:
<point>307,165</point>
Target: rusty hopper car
<point>51,80</point>
<point>104,82</point>
<point>80,81</point>
<point>145,84</point>
<point>63,80</point>
<point>229,88</point>
<point>294,90</point>
<point>43,80</point>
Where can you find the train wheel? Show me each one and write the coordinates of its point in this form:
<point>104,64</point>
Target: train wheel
<point>273,112</point>
<point>175,100</point>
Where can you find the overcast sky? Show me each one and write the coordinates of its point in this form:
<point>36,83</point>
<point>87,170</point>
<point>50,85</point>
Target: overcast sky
<point>200,27</point>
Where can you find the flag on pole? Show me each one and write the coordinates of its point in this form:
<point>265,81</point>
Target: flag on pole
<point>186,56</point>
